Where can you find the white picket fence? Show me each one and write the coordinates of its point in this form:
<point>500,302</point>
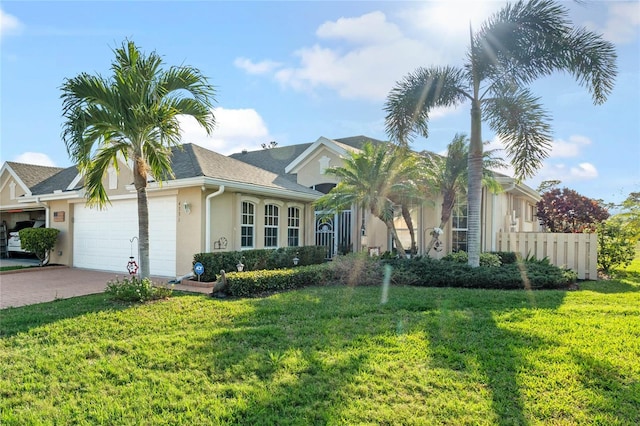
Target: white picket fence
<point>578,252</point>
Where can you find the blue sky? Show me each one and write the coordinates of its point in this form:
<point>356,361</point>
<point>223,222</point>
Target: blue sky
<point>295,71</point>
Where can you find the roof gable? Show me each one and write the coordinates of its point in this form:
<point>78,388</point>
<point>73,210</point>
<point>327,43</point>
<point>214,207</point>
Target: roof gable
<point>338,148</point>
<point>28,175</point>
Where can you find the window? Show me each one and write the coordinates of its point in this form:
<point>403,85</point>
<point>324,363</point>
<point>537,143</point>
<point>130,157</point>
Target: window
<point>248,224</point>
<point>459,225</point>
<point>293,227</point>
<point>271,225</point>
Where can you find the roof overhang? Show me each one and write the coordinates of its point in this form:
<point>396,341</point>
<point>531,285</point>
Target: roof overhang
<point>512,186</point>
<point>303,158</point>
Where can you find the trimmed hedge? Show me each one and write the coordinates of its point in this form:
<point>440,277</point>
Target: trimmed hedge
<point>360,270</point>
<point>427,272</point>
<point>260,259</point>
<point>254,283</point>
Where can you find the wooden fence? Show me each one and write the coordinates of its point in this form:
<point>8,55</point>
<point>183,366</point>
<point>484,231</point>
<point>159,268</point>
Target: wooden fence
<point>578,252</point>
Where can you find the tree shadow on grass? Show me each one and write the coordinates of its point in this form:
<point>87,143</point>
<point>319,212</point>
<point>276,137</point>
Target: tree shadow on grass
<point>21,319</point>
<point>464,336</point>
<point>293,357</point>
<point>621,282</point>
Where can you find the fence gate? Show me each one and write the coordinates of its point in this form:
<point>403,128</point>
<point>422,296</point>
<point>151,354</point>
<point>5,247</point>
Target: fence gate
<point>325,236</point>
<point>334,232</point>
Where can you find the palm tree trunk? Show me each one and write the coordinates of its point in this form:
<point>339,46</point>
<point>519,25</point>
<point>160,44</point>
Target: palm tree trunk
<point>406,214</point>
<point>447,208</point>
<point>396,239</point>
<point>475,186</point>
<point>140,183</point>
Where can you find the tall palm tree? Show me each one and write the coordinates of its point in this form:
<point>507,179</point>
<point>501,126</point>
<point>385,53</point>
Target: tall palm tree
<point>371,178</point>
<point>448,175</point>
<point>132,115</point>
<point>517,45</point>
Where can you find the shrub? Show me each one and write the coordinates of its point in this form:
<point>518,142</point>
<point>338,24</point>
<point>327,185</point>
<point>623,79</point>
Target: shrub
<point>258,259</point>
<point>616,246</point>
<point>427,272</point>
<point>39,241</point>
<point>355,269</point>
<point>134,289</point>
<point>506,257</point>
<point>486,259</point>
<point>253,283</point>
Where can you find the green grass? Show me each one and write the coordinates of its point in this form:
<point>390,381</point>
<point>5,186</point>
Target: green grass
<point>12,268</point>
<point>329,355</point>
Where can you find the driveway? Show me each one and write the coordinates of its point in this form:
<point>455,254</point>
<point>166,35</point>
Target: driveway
<point>38,285</point>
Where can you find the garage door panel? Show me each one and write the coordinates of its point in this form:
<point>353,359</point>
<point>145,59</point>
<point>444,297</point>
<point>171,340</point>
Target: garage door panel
<point>102,238</point>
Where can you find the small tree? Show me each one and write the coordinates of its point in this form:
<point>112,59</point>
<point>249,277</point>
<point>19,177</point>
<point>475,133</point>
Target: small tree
<point>630,215</point>
<point>39,241</point>
<point>565,210</point>
<point>616,244</point>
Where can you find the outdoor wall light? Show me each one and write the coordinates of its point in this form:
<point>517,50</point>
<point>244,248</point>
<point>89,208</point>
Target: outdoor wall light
<point>187,207</point>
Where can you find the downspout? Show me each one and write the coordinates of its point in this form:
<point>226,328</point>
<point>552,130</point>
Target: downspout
<point>207,244</point>
<point>46,224</point>
<point>46,211</point>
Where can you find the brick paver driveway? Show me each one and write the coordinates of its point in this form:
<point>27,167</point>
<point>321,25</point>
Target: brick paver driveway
<point>38,285</point>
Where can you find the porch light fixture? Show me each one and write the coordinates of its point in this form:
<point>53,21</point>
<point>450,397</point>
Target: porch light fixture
<point>240,265</point>
<point>187,207</point>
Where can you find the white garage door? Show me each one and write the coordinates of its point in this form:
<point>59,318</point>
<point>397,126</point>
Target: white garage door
<point>102,238</point>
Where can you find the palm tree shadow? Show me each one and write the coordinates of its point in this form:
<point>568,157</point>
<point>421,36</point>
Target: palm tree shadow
<point>21,319</point>
<point>296,370</point>
<point>458,333</point>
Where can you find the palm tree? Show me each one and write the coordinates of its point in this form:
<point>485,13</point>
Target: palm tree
<point>372,178</point>
<point>448,176</point>
<point>133,115</point>
<point>517,45</point>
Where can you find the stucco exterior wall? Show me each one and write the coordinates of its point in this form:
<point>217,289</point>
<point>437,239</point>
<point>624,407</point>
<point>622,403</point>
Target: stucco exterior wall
<point>311,171</point>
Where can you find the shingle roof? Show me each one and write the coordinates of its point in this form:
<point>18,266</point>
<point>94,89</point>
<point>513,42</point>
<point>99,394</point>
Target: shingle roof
<point>59,181</point>
<point>274,159</point>
<point>277,159</point>
<point>193,160</point>
<point>32,174</point>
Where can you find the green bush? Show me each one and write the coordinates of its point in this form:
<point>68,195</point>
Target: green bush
<point>259,259</point>
<point>355,269</point>
<point>427,272</point>
<point>253,283</point>
<point>134,289</point>
<point>39,241</point>
<point>616,245</point>
<point>486,259</point>
<point>506,257</point>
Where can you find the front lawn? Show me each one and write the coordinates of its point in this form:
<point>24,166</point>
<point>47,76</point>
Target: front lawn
<point>329,355</point>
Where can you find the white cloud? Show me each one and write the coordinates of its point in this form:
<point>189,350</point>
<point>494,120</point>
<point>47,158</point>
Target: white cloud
<point>236,129</point>
<point>9,24</point>
<point>358,57</point>
<point>368,29</point>
<point>567,149</point>
<point>251,67</point>
<point>584,171</point>
<point>623,21</point>
<point>37,158</point>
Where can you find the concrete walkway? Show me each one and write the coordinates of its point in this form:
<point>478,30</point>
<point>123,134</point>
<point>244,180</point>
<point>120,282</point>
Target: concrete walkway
<point>38,285</point>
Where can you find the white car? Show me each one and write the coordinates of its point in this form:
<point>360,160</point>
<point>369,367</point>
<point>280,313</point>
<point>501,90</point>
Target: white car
<point>14,245</point>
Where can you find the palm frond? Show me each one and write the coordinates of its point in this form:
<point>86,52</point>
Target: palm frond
<point>530,39</point>
<point>411,100</point>
<point>522,124</point>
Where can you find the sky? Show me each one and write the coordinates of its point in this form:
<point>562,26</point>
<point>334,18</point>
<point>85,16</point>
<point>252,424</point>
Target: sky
<point>293,71</point>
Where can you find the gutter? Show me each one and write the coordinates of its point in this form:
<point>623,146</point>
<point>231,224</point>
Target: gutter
<point>207,201</point>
